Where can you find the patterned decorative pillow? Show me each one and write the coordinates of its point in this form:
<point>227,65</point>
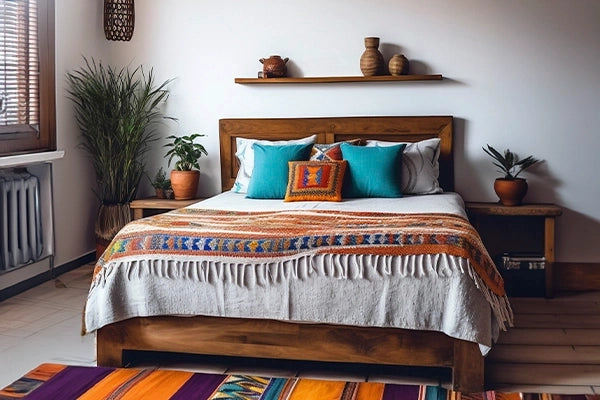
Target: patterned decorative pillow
<point>245,155</point>
<point>420,165</point>
<point>315,180</point>
<point>332,151</point>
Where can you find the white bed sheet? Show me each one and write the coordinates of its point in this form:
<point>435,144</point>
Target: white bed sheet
<point>447,203</point>
<point>424,292</point>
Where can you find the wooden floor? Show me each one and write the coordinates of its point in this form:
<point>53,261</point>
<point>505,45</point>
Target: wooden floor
<point>555,342</point>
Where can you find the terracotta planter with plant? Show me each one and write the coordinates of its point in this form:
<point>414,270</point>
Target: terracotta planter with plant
<point>116,110</point>
<point>185,176</point>
<point>161,184</point>
<point>185,184</point>
<point>510,189</point>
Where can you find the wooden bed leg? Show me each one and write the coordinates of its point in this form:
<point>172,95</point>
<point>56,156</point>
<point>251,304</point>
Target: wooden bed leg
<point>467,372</point>
<point>109,349</point>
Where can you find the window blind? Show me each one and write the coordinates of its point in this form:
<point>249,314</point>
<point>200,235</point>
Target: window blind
<point>19,69</point>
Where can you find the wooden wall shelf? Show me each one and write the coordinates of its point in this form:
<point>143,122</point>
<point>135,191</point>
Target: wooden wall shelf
<point>340,79</point>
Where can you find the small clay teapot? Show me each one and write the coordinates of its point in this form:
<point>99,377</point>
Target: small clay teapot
<point>274,67</point>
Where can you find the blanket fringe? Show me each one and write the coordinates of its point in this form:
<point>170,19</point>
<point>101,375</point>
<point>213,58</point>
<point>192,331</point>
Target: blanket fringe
<point>246,271</point>
<point>500,304</point>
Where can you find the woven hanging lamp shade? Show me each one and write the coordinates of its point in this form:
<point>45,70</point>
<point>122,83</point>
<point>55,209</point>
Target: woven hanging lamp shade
<point>119,19</point>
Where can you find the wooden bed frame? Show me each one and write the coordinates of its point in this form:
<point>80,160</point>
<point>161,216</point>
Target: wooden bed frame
<point>304,341</point>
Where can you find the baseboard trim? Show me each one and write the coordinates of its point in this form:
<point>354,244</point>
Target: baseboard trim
<point>46,276</point>
<point>576,276</point>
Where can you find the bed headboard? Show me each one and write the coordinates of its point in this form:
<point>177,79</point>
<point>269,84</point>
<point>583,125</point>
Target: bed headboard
<point>336,129</point>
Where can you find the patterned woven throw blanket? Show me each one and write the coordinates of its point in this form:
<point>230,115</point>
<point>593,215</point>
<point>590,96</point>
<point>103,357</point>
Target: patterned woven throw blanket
<point>265,236</point>
<point>278,234</point>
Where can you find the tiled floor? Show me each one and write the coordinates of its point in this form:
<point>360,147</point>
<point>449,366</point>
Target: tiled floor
<point>43,324</point>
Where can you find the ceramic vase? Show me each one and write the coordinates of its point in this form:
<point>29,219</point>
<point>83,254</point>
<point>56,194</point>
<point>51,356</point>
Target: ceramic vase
<point>398,65</point>
<point>274,67</point>
<point>371,60</point>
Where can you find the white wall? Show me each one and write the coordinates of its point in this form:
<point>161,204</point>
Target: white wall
<point>521,74</point>
<point>78,33</point>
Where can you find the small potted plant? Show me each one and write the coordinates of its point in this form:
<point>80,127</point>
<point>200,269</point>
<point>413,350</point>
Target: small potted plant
<point>185,176</point>
<point>510,189</point>
<point>161,184</point>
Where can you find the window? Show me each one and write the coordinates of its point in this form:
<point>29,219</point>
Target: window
<point>27,103</point>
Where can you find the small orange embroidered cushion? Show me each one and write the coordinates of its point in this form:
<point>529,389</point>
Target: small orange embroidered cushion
<point>315,180</point>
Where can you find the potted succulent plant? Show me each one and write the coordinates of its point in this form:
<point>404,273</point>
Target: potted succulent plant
<point>510,189</point>
<point>184,178</point>
<point>161,184</point>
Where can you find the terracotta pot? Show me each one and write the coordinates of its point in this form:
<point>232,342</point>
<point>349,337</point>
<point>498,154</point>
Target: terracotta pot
<point>160,193</point>
<point>274,66</point>
<point>510,191</point>
<point>185,184</point>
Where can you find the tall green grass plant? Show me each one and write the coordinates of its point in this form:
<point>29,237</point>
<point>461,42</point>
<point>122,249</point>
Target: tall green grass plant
<point>118,111</point>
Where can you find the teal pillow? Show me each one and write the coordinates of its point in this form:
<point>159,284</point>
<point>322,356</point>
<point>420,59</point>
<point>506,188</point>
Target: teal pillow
<point>270,174</point>
<point>373,171</point>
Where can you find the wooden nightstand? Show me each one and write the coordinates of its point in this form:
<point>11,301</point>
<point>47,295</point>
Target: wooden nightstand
<point>153,203</point>
<point>524,228</point>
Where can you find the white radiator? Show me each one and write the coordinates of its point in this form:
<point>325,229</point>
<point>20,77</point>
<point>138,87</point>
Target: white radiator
<point>20,220</point>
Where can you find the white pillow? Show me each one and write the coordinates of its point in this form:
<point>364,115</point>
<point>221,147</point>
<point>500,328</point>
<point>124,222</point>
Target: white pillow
<point>420,165</point>
<point>245,155</point>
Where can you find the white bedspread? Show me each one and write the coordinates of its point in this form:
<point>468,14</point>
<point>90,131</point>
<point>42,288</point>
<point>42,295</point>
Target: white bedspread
<point>445,203</point>
<point>426,292</point>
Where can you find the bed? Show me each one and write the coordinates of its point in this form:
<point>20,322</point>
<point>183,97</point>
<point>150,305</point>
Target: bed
<point>296,336</point>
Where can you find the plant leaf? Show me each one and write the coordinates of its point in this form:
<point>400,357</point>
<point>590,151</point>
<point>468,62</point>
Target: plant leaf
<point>117,112</point>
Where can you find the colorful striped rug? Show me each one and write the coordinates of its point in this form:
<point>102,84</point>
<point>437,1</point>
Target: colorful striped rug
<point>62,382</point>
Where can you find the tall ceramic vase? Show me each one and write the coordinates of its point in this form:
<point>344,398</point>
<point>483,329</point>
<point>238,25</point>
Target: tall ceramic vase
<point>371,60</point>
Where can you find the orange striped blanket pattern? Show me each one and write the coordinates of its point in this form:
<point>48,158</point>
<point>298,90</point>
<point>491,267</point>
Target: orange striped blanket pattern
<point>280,234</point>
